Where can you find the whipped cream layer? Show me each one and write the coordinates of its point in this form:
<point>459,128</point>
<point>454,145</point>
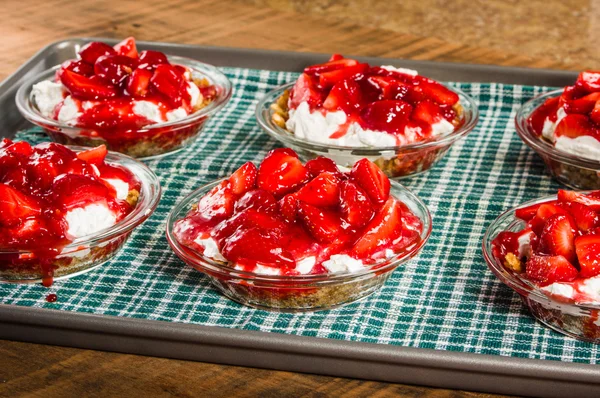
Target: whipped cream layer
<point>337,263</point>
<point>49,96</point>
<point>93,218</point>
<point>318,126</point>
<point>584,146</point>
<point>581,290</point>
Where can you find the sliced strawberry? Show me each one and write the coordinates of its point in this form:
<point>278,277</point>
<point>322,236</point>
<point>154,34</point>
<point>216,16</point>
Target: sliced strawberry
<point>138,82</point>
<point>332,64</point>
<point>29,231</point>
<point>595,113</point>
<point>288,207</point>
<point>536,224</point>
<point>320,164</point>
<point>527,213</point>
<point>546,270</point>
<point>584,216</point>
<point>370,178</point>
<point>170,82</point>
<point>150,59</point>
<point>77,66</point>
<point>114,69</point>
<point>323,225</point>
<point>15,205</point>
<point>344,95</point>
<point>94,156</point>
<point>72,190</point>
<point>249,218</point>
<point>281,171</point>
<point>20,148</point>
<point>322,191</point>
<point>243,179</point>
<point>558,237</point>
<point>588,254</point>
<point>257,199</point>
<point>589,200</point>
<point>355,205</point>
<point>305,90</point>
<point>548,209</point>
<point>438,92</point>
<point>381,231</point>
<point>386,115</point>
<point>328,79</point>
<point>43,172</point>
<point>127,47</point>
<point>218,204</point>
<point>94,50</point>
<point>336,57</point>
<point>390,87</point>
<point>547,110</point>
<point>583,105</point>
<point>574,125</point>
<point>86,87</point>
<point>427,112</point>
<point>255,245</point>
<point>589,80</point>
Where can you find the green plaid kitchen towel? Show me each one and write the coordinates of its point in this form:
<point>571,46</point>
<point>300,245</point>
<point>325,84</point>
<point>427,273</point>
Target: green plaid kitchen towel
<point>445,299</point>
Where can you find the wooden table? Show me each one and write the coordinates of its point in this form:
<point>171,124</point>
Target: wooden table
<point>536,34</point>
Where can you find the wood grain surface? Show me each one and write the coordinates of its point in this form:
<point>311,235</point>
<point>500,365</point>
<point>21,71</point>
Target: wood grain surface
<point>535,34</point>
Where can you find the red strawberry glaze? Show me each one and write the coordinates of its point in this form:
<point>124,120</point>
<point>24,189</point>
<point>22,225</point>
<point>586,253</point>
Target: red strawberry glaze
<point>106,83</point>
<point>39,185</point>
<point>375,98</point>
<point>561,249</point>
<point>286,213</point>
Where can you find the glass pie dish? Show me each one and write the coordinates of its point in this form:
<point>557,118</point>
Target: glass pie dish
<point>295,292</point>
<point>568,169</point>
<point>395,161</point>
<point>87,252</point>
<point>563,315</point>
<point>150,141</point>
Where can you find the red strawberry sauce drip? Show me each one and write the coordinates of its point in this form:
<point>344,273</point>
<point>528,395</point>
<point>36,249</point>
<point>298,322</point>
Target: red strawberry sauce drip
<point>38,186</point>
<point>51,298</point>
<point>375,98</point>
<point>283,212</point>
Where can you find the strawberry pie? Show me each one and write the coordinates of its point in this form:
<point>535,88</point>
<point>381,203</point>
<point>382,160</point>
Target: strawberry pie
<point>347,103</point>
<point>559,247</point>
<point>114,93</point>
<point>285,218</point>
<point>51,196</point>
<point>571,122</point>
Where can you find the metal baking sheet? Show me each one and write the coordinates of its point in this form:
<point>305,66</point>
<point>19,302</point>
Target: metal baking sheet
<point>487,373</point>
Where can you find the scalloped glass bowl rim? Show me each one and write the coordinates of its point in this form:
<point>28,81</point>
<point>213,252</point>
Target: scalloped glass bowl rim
<point>150,196</point>
<point>471,116</point>
<point>214,267</point>
<point>511,279</point>
<point>541,146</point>
<point>25,103</point>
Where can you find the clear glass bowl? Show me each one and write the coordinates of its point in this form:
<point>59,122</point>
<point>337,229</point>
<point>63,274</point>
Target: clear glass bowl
<point>395,161</point>
<point>568,169</point>
<point>573,319</point>
<point>295,293</point>
<point>149,142</point>
<point>88,252</point>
